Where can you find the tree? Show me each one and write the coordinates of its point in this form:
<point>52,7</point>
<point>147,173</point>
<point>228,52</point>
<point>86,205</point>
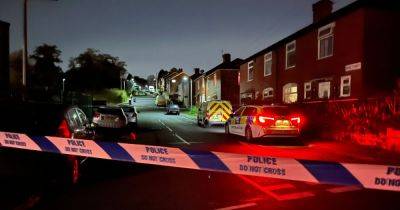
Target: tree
<point>46,73</point>
<point>93,70</point>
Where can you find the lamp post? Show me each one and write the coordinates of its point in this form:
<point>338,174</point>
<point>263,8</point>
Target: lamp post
<point>185,81</point>
<point>25,47</point>
<point>63,89</point>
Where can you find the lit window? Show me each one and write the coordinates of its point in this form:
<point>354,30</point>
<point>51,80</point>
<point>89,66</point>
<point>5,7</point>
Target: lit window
<point>290,93</point>
<point>325,41</point>
<point>268,64</point>
<point>268,93</point>
<point>250,71</point>
<point>291,55</point>
<point>307,90</point>
<point>324,89</point>
<point>345,86</point>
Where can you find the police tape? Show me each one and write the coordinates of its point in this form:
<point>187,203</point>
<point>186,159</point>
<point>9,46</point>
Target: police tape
<point>381,177</point>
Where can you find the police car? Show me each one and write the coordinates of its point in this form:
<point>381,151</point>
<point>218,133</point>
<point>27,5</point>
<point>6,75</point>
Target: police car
<point>263,121</point>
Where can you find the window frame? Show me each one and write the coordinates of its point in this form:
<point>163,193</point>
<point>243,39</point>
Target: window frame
<point>319,88</point>
<point>267,58</point>
<point>266,90</point>
<point>284,94</point>
<point>331,34</point>
<point>342,79</point>
<point>306,90</point>
<point>287,52</point>
<point>215,79</point>
<point>248,71</point>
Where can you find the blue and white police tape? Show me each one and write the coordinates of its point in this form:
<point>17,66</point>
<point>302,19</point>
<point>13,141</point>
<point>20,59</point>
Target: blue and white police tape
<point>363,175</point>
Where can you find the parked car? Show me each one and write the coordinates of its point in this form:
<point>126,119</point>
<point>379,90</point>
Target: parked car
<point>111,124</point>
<point>264,121</point>
<point>160,100</point>
<point>215,112</point>
<point>131,114</point>
<point>110,117</point>
<point>173,109</point>
<point>40,119</point>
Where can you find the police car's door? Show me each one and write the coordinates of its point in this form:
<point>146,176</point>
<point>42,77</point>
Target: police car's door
<point>243,121</point>
<point>234,121</point>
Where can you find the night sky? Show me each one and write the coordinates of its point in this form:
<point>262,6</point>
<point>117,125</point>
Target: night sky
<point>159,34</point>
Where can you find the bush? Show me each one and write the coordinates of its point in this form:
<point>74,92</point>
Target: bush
<point>111,95</point>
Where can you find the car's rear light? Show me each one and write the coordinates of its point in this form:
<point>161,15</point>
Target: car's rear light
<point>63,130</point>
<point>265,120</point>
<point>295,121</point>
<point>96,115</point>
<point>132,136</point>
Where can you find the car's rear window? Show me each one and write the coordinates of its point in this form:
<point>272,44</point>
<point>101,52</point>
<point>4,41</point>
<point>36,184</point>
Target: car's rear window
<point>128,109</point>
<point>111,111</point>
<point>276,110</point>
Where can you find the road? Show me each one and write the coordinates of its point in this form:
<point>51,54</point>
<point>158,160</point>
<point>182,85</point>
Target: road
<point>116,185</point>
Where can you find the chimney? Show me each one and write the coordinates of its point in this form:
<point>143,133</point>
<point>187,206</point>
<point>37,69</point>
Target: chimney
<point>321,9</point>
<point>196,71</point>
<point>226,58</point>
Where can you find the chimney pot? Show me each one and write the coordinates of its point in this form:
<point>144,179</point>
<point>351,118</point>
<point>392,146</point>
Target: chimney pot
<point>322,9</point>
<point>226,57</point>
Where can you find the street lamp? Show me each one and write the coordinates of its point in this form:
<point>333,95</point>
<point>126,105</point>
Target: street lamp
<point>25,48</point>
<point>63,89</point>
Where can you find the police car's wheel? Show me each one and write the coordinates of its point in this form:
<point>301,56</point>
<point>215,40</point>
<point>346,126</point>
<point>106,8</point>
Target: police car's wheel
<point>248,134</point>
<point>198,122</point>
<point>206,124</point>
<point>227,129</point>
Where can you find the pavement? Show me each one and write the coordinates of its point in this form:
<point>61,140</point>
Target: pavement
<point>117,185</point>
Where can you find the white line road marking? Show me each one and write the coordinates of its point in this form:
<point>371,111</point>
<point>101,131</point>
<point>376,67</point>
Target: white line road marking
<point>343,189</point>
<point>269,190</point>
<point>176,135</point>
<point>241,206</point>
<point>180,138</point>
<point>165,126</point>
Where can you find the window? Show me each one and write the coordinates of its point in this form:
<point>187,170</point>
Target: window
<point>239,111</point>
<point>345,86</point>
<point>249,111</point>
<point>291,55</point>
<point>290,93</point>
<point>82,117</point>
<point>325,41</point>
<point>268,93</point>
<point>324,90</point>
<point>268,64</point>
<point>307,90</point>
<point>215,79</point>
<point>250,71</point>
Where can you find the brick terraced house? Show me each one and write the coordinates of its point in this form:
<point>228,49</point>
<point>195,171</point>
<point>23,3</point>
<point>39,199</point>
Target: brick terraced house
<point>351,53</point>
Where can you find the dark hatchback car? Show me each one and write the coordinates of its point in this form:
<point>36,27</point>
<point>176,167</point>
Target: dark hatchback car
<point>112,124</point>
<point>41,119</point>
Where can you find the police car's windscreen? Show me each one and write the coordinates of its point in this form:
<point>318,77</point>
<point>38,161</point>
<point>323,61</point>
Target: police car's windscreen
<point>278,110</point>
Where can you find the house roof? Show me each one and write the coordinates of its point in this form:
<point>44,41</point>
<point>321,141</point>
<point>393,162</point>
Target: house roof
<point>4,23</point>
<point>195,76</point>
<point>235,64</point>
<point>335,15</point>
